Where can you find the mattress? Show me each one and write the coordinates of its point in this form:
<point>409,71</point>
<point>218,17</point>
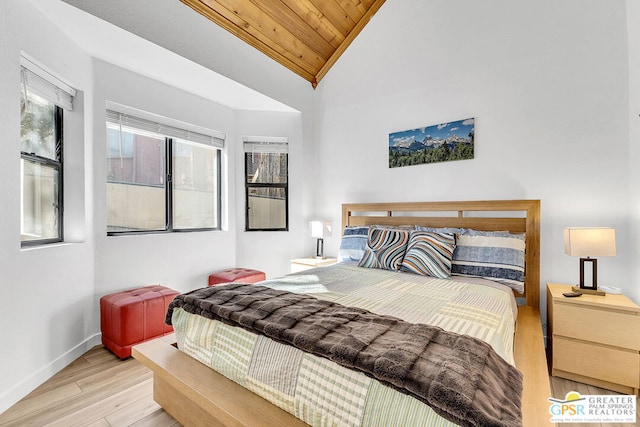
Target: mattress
<point>322,393</point>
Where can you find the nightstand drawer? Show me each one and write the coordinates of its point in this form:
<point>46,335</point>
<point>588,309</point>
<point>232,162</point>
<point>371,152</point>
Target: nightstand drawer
<point>600,362</point>
<point>587,323</point>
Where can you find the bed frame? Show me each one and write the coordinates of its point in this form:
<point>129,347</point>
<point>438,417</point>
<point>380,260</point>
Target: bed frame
<point>196,395</point>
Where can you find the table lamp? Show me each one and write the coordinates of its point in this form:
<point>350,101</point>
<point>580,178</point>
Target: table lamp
<point>586,242</point>
<point>320,230</point>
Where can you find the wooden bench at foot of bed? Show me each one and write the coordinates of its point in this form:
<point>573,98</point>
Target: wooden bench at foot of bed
<point>196,395</point>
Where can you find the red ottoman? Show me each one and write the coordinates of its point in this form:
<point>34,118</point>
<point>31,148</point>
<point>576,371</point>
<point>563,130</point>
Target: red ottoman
<point>130,317</point>
<point>245,275</point>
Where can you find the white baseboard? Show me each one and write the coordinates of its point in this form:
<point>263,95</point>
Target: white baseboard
<point>13,395</point>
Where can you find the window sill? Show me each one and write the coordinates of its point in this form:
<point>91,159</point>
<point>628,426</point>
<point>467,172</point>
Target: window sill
<point>47,246</point>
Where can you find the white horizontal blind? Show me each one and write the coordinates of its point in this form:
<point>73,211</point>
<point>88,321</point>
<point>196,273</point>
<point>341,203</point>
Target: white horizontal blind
<point>126,120</point>
<point>37,80</point>
<point>265,144</point>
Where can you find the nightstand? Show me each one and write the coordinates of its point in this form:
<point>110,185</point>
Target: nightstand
<point>302,264</point>
<point>594,339</point>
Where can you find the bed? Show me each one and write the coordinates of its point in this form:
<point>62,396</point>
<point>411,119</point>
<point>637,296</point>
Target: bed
<point>197,395</point>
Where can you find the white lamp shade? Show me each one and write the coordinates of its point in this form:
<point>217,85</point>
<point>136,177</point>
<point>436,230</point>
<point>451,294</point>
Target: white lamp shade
<point>590,241</point>
<point>320,229</point>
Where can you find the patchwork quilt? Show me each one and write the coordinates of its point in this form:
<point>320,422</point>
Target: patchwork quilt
<point>321,392</point>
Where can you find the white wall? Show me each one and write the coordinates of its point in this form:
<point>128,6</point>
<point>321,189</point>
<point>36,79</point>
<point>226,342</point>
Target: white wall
<point>47,316</point>
<point>270,251</point>
<point>633,22</point>
<point>180,261</point>
<point>547,84</point>
<point>222,52</point>
<point>183,261</point>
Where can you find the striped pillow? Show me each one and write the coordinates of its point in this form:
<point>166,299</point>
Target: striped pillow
<point>385,248</point>
<point>495,256</point>
<point>429,254</point>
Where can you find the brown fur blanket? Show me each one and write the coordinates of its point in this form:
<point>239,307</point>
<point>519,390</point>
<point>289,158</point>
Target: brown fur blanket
<point>460,377</point>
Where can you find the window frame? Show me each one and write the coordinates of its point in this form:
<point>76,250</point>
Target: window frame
<point>266,141</point>
<point>169,198</point>
<point>168,175</point>
<point>58,165</point>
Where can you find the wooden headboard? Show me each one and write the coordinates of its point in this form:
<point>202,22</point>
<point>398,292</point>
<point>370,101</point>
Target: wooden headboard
<point>516,216</point>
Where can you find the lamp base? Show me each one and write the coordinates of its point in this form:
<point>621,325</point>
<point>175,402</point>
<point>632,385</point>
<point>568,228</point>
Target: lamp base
<point>587,291</point>
<point>320,248</point>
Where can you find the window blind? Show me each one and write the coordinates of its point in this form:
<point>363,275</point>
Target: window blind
<point>265,144</point>
<point>39,81</point>
<point>126,120</point>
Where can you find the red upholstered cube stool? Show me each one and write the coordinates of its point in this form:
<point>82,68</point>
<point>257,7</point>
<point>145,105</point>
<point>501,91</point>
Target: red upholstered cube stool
<point>133,316</point>
<point>245,275</point>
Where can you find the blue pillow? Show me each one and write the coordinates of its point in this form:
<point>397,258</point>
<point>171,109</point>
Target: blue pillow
<point>497,256</point>
<point>353,244</point>
<point>452,230</point>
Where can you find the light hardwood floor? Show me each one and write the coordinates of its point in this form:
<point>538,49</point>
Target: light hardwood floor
<point>97,390</point>
<point>100,390</point>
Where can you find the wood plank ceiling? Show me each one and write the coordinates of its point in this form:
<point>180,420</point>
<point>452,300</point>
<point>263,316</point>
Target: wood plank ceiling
<point>306,36</point>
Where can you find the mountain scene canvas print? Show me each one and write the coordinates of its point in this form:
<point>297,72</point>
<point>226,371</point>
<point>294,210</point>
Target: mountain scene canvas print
<point>431,144</point>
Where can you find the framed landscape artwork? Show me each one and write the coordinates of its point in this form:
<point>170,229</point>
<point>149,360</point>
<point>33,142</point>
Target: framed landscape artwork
<point>431,144</point>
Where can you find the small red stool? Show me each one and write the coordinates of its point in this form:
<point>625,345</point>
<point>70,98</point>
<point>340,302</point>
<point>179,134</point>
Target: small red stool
<point>245,275</point>
<point>133,316</point>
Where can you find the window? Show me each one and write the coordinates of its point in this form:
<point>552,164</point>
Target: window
<point>42,99</point>
<point>161,177</point>
<point>266,184</point>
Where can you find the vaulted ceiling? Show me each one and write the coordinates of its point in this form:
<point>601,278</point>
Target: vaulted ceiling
<point>306,36</point>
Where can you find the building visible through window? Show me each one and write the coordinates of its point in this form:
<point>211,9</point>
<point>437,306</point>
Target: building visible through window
<point>266,184</point>
<point>160,177</point>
